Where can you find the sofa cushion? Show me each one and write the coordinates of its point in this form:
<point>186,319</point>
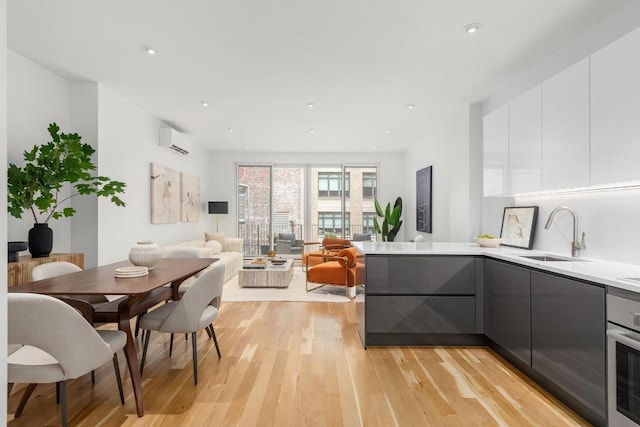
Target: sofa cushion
<point>219,237</point>
<point>214,245</point>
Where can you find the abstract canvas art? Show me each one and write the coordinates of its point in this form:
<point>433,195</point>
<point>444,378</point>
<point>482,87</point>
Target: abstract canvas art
<point>190,198</point>
<point>423,199</point>
<point>165,195</point>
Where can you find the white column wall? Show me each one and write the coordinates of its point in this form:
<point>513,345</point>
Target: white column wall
<point>3,211</point>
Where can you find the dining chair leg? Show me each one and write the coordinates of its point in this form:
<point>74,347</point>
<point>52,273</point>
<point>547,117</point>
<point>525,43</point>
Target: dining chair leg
<point>57,393</point>
<point>93,377</point>
<point>144,352</point>
<point>215,340</point>
<point>63,402</point>
<point>9,388</point>
<point>116,366</point>
<point>171,344</point>
<point>208,332</point>
<point>25,397</point>
<point>194,344</point>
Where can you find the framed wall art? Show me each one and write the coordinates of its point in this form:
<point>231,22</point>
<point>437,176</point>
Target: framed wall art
<point>165,195</point>
<point>423,199</point>
<point>519,226</point>
<point>190,198</point>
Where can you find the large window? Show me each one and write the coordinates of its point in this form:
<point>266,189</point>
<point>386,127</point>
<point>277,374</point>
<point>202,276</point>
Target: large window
<point>329,184</point>
<point>367,222</point>
<point>368,185</point>
<point>331,222</point>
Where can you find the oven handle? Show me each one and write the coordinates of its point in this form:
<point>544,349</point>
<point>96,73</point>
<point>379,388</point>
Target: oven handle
<point>620,336</point>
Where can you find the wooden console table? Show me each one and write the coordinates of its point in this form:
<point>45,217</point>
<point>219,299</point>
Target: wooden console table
<point>20,272</point>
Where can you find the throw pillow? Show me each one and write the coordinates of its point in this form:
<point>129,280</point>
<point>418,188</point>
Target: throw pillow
<point>350,255</point>
<point>214,245</point>
<point>219,237</point>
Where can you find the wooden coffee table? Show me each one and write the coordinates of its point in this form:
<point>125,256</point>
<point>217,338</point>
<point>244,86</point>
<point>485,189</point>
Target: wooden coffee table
<point>272,276</point>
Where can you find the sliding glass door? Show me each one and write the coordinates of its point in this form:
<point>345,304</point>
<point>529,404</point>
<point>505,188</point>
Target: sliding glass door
<point>282,206</point>
<point>341,201</point>
<point>270,203</point>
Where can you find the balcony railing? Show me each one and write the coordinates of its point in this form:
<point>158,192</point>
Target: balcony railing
<point>257,240</point>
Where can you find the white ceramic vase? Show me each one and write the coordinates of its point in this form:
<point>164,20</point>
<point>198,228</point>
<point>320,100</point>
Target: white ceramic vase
<point>145,253</point>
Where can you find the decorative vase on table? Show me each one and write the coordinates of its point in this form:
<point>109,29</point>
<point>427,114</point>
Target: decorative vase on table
<point>146,253</point>
<point>40,240</point>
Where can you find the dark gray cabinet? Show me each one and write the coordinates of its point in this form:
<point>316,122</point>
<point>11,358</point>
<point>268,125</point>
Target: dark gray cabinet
<point>568,337</point>
<point>418,299</point>
<point>508,297</point>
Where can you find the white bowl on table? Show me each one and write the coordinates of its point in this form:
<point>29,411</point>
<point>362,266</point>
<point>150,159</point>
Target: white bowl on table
<point>488,243</point>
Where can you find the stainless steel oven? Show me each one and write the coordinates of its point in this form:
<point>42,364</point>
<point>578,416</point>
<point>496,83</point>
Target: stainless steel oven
<point>623,358</point>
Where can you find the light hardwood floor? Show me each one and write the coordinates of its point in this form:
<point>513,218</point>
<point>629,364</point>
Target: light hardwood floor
<point>302,364</point>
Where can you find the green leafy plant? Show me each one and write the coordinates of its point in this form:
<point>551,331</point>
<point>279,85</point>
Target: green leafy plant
<point>48,167</point>
<point>391,220</point>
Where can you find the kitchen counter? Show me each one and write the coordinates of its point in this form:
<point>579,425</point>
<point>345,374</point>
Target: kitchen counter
<point>604,272</point>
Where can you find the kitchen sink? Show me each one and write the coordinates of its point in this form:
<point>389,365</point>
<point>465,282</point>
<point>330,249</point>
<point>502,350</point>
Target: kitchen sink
<point>548,258</point>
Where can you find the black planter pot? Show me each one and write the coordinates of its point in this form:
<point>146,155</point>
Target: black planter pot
<point>40,240</point>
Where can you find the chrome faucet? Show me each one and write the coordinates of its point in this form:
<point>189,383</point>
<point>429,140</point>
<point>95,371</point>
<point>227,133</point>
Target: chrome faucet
<point>576,246</point>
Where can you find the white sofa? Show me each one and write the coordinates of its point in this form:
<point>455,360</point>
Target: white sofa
<point>230,254</point>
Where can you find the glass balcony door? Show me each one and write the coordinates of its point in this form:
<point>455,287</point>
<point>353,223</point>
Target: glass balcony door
<point>271,201</point>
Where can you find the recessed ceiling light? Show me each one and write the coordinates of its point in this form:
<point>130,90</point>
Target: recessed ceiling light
<point>246,145</point>
<point>312,131</point>
<point>310,104</point>
<point>411,106</point>
<point>313,146</point>
<point>472,28</point>
<point>150,50</point>
<point>204,103</point>
<point>388,131</point>
<point>231,130</point>
<point>375,147</point>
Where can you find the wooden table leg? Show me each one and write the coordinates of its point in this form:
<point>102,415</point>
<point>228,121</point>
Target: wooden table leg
<point>132,361</point>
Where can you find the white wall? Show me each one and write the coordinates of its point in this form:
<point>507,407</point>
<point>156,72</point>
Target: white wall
<point>223,176</point>
<point>455,154</point>
<point>36,97</point>
<point>127,143</point>
<point>126,139</point>
<point>609,219</point>
<point>3,211</point>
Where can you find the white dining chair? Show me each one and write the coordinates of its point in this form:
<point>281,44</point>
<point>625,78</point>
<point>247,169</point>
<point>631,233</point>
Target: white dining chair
<point>196,310</point>
<point>56,344</point>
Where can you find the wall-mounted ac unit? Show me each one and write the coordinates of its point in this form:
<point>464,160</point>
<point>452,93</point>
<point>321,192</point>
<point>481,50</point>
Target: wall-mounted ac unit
<point>174,140</point>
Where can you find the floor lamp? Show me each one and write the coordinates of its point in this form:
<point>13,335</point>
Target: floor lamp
<point>218,208</point>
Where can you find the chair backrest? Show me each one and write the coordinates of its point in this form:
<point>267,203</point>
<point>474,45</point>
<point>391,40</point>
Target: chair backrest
<point>51,269</point>
<point>187,252</point>
<point>333,243</point>
<point>283,247</point>
<point>55,327</point>
<point>361,237</point>
<point>291,237</point>
<point>205,291</point>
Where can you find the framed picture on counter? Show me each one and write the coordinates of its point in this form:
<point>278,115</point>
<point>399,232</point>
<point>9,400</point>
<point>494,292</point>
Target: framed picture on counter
<point>519,226</point>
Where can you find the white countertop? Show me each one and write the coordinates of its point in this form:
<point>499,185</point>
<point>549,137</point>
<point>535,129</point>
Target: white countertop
<point>604,272</point>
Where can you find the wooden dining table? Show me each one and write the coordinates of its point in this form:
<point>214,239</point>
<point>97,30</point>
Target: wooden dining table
<point>139,294</point>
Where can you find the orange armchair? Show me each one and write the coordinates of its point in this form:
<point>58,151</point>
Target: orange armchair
<point>330,247</point>
<point>343,269</point>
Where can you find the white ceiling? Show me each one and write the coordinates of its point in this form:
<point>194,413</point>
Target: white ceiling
<point>258,63</point>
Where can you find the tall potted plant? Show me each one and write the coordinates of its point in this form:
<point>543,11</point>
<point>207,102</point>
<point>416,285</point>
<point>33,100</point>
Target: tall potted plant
<point>391,220</point>
<point>48,168</point>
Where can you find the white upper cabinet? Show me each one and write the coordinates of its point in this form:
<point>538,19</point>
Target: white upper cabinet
<point>495,152</point>
<point>615,111</point>
<point>565,128</point>
<point>525,141</point>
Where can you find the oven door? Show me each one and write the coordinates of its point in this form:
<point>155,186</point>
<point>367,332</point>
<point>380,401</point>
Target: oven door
<point>623,348</point>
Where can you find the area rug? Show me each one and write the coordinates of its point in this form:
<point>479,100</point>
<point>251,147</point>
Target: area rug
<point>295,292</point>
